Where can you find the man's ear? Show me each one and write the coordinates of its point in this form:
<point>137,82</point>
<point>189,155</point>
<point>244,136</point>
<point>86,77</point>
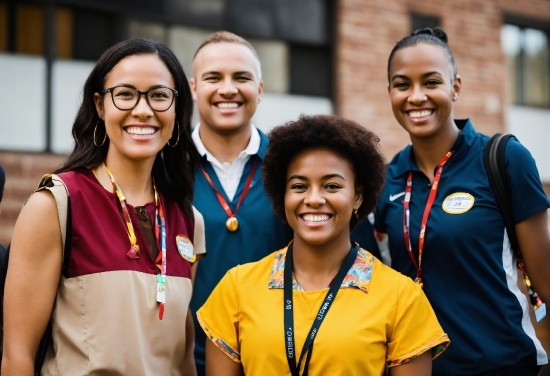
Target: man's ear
<point>193,86</point>
<point>260,90</point>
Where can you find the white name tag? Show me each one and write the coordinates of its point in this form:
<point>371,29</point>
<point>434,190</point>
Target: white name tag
<point>458,203</point>
<point>540,312</point>
<point>161,288</point>
<point>185,248</point>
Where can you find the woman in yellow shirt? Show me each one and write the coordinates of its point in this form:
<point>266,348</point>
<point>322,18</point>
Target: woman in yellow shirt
<point>344,313</point>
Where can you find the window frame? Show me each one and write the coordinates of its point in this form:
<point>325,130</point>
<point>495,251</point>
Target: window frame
<point>526,23</point>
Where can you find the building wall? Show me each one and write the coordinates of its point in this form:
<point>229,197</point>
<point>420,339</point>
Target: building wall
<point>367,31</point>
<point>364,34</point>
<point>23,173</point>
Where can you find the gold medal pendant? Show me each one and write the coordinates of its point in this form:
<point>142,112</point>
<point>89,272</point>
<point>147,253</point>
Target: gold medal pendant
<point>232,224</point>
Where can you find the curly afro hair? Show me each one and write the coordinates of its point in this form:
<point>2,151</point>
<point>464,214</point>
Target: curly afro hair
<point>350,140</point>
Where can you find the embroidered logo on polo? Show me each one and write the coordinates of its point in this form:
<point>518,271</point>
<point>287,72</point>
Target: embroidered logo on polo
<point>458,203</point>
<point>185,248</point>
<point>396,196</point>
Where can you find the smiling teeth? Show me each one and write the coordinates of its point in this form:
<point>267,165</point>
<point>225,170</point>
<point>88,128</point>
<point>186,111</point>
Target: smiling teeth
<point>226,106</point>
<point>315,218</point>
<point>419,114</point>
<point>141,131</point>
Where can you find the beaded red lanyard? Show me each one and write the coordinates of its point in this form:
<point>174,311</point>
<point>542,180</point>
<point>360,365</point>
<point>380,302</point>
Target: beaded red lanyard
<point>160,233</point>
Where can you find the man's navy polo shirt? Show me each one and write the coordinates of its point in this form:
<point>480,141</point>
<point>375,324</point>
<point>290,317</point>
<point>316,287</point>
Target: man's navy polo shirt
<point>469,271</point>
<point>260,233</point>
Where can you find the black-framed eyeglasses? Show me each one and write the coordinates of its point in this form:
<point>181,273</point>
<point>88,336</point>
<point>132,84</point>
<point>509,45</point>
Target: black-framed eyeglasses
<point>126,97</point>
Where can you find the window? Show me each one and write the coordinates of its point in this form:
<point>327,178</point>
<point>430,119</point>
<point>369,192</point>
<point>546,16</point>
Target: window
<point>527,53</point>
<point>422,21</point>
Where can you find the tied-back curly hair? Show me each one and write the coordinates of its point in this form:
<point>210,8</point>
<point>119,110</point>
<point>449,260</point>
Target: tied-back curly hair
<point>348,139</point>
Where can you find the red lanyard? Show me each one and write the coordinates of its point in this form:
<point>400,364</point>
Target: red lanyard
<point>406,216</point>
<point>160,233</point>
<point>232,224</point>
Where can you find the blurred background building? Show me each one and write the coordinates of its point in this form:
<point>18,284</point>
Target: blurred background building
<point>318,56</point>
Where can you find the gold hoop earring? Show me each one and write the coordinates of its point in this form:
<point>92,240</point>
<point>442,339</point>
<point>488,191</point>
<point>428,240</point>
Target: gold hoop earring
<point>178,139</point>
<point>104,137</point>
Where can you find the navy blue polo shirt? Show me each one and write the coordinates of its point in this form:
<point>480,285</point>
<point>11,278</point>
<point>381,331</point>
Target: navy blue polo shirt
<point>469,271</point>
<point>260,233</point>
<point>363,234</point>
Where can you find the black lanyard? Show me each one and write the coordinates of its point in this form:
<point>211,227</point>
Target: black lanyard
<point>289,310</point>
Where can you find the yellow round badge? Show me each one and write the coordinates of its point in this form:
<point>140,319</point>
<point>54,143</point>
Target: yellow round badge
<point>185,248</point>
<point>458,203</point>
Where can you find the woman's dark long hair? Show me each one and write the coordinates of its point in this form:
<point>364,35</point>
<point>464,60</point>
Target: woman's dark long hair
<point>174,166</point>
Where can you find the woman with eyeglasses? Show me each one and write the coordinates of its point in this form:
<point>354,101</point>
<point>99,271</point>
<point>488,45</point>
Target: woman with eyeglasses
<point>120,305</point>
<point>322,305</point>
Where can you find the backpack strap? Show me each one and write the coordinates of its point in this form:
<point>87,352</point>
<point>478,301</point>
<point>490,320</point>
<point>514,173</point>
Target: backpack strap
<point>495,167</point>
<point>58,189</point>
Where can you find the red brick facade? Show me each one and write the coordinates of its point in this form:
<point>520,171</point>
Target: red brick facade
<point>365,33</point>
<point>23,173</point>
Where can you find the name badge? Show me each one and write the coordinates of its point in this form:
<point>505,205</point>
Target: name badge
<point>540,312</point>
<point>161,288</point>
<point>185,248</point>
<point>458,203</point>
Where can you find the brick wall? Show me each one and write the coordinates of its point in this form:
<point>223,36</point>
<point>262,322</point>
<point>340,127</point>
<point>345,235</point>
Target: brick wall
<point>367,31</point>
<point>23,173</point>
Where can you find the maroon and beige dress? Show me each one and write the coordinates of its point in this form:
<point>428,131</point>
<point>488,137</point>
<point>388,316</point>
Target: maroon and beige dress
<point>106,316</point>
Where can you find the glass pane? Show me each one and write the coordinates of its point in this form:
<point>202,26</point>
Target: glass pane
<point>536,72</point>
<point>149,30</point>
<point>510,40</point>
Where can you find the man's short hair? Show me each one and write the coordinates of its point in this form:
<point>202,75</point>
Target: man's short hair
<point>223,36</point>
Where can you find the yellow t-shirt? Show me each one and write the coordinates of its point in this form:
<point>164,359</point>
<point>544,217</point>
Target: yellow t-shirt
<point>379,318</point>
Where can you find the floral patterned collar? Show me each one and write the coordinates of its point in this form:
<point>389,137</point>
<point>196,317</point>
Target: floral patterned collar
<point>359,275</point>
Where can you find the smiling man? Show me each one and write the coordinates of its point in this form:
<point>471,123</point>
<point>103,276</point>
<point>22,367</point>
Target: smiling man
<point>240,226</point>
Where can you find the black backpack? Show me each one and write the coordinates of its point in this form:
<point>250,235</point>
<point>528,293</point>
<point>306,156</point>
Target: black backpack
<point>61,194</point>
<point>495,166</point>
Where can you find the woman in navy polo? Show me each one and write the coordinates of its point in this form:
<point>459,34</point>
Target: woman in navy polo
<point>445,228</point>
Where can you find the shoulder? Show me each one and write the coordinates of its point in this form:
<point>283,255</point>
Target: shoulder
<point>391,277</point>
<point>254,270</point>
<point>515,151</point>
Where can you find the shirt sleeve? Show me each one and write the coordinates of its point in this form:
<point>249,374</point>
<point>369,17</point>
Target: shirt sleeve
<point>219,316</point>
<point>415,329</point>
<point>528,197</point>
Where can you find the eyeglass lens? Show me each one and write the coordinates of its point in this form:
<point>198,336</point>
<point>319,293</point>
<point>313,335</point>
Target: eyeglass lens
<point>125,98</point>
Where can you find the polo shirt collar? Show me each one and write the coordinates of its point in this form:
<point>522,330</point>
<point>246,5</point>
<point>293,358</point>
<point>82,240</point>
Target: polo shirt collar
<point>405,159</point>
<point>254,145</point>
<point>359,276</point>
